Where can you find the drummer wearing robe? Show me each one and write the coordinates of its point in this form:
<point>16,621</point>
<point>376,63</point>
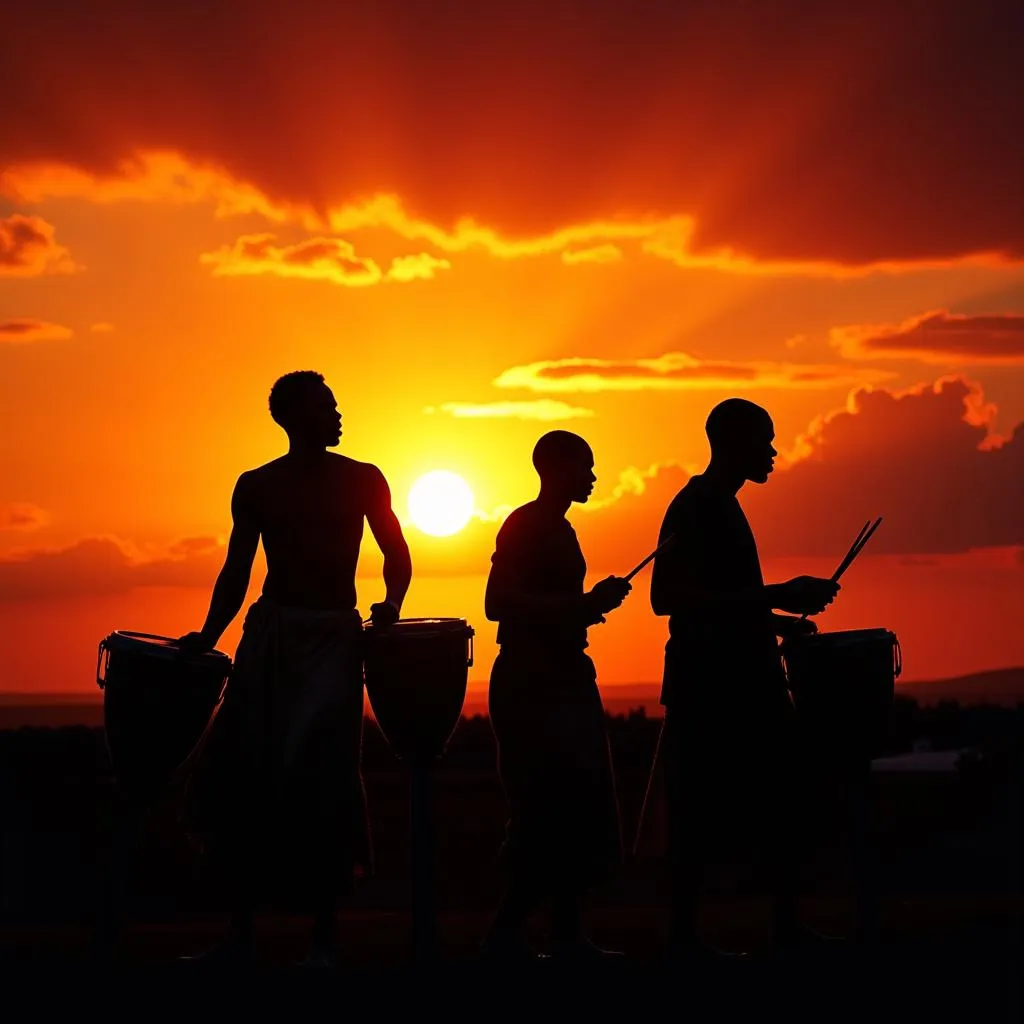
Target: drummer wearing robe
<point>729,728</point>
<point>545,709</point>
<point>277,790</point>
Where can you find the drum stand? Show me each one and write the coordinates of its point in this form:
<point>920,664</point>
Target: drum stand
<point>124,831</point>
<point>864,857</point>
<point>421,821</point>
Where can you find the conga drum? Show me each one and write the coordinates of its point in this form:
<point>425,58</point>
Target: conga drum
<point>416,673</point>
<point>842,684</point>
<point>157,701</point>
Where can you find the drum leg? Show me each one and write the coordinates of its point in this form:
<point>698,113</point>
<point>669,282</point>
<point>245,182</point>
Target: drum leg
<point>115,871</point>
<point>424,904</point>
<point>865,859</point>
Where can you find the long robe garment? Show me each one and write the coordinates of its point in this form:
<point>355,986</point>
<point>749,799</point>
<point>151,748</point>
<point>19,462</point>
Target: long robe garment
<point>548,718</point>
<point>730,740</point>
<point>277,783</point>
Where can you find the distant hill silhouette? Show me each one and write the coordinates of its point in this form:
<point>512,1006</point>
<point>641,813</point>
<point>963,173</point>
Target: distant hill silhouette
<point>997,686</point>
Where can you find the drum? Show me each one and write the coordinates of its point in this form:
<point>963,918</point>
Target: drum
<point>416,674</point>
<point>157,701</point>
<point>842,685</point>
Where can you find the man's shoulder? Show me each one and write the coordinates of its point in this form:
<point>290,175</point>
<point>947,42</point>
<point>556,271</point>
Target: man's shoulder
<point>692,494</point>
<point>519,521</point>
<point>519,516</point>
<point>353,467</point>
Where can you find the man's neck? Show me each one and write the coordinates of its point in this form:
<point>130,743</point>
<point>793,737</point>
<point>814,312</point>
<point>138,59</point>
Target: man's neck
<point>724,477</point>
<point>306,455</point>
<point>553,503</point>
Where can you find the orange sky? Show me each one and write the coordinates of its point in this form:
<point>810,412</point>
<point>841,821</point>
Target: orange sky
<point>482,223</point>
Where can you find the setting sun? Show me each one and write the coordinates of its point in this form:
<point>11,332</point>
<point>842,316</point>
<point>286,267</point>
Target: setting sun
<point>440,503</point>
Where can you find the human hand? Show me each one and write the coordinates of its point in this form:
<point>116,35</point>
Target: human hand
<point>194,643</point>
<point>788,627</point>
<point>609,593</point>
<point>806,595</point>
<point>384,613</point>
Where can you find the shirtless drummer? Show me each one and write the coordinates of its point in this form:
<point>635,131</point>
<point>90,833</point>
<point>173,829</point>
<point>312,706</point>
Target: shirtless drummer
<point>280,773</point>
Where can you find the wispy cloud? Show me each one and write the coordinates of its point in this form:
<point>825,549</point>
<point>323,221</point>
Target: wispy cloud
<point>28,248</point>
<point>938,337</point>
<point>24,331</point>
<point>678,371</point>
<point>544,409</point>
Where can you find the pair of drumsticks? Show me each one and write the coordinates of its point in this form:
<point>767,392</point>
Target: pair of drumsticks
<point>855,549</point>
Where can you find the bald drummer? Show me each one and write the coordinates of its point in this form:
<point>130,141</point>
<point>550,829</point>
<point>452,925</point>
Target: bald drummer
<point>546,711</point>
<point>729,729</point>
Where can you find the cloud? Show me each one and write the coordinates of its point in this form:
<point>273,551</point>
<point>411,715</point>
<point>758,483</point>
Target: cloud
<point>104,565</point>
<point>544,409</point>
<point>171,177</point>
<point>938,337</point>
<point>925,459</point>
<point>28,248</point>
<point>22,515</point>
<point>421,266</point>
<point>25,331</point>
<point>101,328</point>
<point>834,138</point>
<point>147,175</point>
<point>607,253</point>
<point>678,371</point>
<point>315,259</point>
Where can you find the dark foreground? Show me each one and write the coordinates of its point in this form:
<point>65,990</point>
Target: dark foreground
<point>948,944</point>
<point>966,972</point>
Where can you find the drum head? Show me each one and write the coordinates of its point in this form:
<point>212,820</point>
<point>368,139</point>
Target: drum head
<point>409,628</point>
<point>155,646</point>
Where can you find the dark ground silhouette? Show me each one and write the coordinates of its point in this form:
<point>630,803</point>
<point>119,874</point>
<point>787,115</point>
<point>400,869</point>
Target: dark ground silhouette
<point>950,885</point>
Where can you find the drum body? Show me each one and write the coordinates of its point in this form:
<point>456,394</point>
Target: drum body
<point>157,701</point>
<point>842,684</point>
<point>416,674</point>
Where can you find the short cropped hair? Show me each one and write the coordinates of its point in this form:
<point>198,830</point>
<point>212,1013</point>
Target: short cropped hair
<point>287,393</point>
<point>731,421</point>
<point>556,448</point>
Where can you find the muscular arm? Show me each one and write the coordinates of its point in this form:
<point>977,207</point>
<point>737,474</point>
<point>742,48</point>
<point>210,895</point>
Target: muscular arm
<point>387,531</point>
<point>233,580</point>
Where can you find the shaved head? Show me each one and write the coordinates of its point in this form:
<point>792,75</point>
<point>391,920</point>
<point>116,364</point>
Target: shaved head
<point>558,449</point>
<point>733,422</point>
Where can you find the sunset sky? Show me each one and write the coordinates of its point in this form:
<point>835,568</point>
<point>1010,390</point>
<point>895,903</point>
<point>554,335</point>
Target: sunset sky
<point>482,221</point>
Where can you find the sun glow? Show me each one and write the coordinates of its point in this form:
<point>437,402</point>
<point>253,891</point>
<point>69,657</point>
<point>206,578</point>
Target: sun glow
<point>440,503</point>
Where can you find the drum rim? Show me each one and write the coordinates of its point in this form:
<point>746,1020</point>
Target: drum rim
<point>434,620</point>
<point>877,631</point>
<point>128,639</point>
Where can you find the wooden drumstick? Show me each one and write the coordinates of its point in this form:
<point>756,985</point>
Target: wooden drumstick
<point>664,544</point>
<point>853,546</point>
<point>857,548</point>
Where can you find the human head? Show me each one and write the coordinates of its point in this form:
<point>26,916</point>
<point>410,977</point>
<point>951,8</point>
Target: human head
<point>741,435</point>
<point>565,464</point>
<point>304,406</point>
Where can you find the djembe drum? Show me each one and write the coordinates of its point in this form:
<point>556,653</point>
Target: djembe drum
<point>416,673</point>
<point>157,701</point>
<point>842,684</point>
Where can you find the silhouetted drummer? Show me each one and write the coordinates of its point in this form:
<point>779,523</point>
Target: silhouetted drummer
<point>728,739</point>
<point>280,771</point>
<point>546,711</point>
